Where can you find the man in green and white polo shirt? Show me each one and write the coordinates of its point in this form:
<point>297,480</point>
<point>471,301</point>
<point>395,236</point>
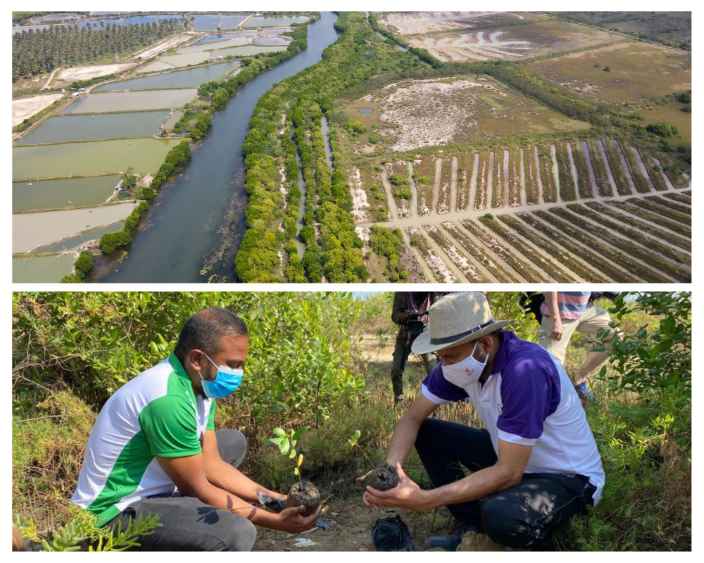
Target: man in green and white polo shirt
<point>154,449</point>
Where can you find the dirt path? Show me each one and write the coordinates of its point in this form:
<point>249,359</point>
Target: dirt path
<point>436,185</point>
<point>453,184</point>
<point>51,77</point>
<point>522,172</point>
<point>473,183</point>
<point>413,210</point>
<point>459,215</point>
<point>664,176</point>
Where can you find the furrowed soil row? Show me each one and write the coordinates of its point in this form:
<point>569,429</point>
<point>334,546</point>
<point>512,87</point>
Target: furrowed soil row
<point>463,171</point>
<point>638,172</point>
<point>579,268</point>
<point>653,217</point>
<point>494,267</point>
<point>454,165</point>
<point>579,171</point>
<point>682,198</point>
<point>585,232</point>
<point>480,199</point>
<point>646,226</point>
<point>662,208</point>
<point>517,242</point>
<point>514,179</point>
<point>497,197</point>
<point>666,199</point>
<point>456,257</point>
<point>657,177</point>
<point>437,178</point>
<point>417,256</point>
<point>490,180</point>
<point>400,188</point>
<point>424,172</point>
<point>619,167</point>
<point>604,179</point>
<point>440,251</point>
<point>549,174</point>
<point>666,250</point>
<point>532,176</point>
<point>585,250</point>
<point>438,268</point>
<point>586,171</point>
<point>517,264</point>
<point>568,189</point>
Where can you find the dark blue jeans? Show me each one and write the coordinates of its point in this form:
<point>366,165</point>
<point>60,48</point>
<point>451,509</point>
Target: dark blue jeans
<point>523,516</point>
<point>187,524</point>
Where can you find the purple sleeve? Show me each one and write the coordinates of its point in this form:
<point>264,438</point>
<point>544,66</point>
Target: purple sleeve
<point>530,392</point>
<point>438,390</point>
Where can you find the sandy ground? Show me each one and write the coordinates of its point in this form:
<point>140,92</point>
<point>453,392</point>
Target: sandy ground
<point>429,22</point>
<point>26,107</point>
<point>164,45</point>
<point>429,112</point>
<point>31,230</point>
<point>93,71</point>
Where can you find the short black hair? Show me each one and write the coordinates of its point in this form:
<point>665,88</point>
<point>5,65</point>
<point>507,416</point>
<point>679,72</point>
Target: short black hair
<point>205,329</point>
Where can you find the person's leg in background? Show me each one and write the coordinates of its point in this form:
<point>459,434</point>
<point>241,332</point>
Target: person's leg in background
<point>557,347</point>
<point>401,352</point>
<point>595,324</point>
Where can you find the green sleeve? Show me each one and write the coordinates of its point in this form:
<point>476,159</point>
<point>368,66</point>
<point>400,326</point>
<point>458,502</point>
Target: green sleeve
<point>211,416</point>
<point>169,426</point>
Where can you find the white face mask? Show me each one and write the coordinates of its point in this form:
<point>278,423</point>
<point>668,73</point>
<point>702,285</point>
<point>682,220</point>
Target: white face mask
<point>465,372</point>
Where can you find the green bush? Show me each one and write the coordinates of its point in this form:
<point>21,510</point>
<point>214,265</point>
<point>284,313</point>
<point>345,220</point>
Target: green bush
<point>84,264</point>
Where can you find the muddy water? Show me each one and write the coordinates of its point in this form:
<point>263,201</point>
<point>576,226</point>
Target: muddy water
<point>62,194</point>
<point>198,220</point>
<point>191,78</point>
<point>39,269</point>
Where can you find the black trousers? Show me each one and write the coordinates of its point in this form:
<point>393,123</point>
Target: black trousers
<point>407,333</point>
<point>187,524</point>
<point>523,516</point>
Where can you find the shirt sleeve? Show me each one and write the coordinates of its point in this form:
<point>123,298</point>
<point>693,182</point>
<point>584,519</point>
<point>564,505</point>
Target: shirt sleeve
<point>211,415</point>
<point>439,390</point>
<point>170,429</point>
<point>528,390</point>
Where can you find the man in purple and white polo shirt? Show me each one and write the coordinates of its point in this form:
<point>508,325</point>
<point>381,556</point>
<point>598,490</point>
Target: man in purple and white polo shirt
<point>533,466</point>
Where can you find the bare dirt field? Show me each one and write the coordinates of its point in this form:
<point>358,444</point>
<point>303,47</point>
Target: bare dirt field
<point>413,23</point>
<point>481,39</point>
<point>24,108</point>
<point>421,113</point>
<point>88,72</point>
<point>32,230</point>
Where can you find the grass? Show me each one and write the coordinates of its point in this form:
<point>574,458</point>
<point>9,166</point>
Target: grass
<point>627,78</point>
<point>97,158</point>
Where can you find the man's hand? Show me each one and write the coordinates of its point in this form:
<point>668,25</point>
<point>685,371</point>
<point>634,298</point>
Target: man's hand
<point>292,520</point>
<point>407,494</point>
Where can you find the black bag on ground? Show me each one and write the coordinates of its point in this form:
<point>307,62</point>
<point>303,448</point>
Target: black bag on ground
<point>392,534</point>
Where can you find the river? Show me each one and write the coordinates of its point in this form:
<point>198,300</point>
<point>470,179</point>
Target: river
<point>195,225</point>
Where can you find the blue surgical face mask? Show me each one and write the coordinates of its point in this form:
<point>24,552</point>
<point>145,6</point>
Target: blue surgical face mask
<point>227,381</point>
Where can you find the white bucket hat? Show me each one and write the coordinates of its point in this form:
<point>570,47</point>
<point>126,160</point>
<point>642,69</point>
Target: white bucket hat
<point>455,319</point>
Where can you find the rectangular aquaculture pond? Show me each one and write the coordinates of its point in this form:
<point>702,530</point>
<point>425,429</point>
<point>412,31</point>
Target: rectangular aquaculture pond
<point>62,194</point>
